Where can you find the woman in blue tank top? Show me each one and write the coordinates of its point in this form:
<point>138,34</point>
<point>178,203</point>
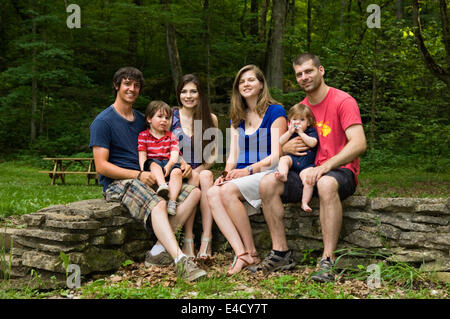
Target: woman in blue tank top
<point>189,123</point>
<point>257,122</point>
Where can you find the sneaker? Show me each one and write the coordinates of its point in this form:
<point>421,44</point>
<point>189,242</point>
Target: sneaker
<point>325,272</point>
<point>188,270</point>
<point>273,263</point>
<point>172,207</point>
<point>161,260</point>
<point>163,191</point>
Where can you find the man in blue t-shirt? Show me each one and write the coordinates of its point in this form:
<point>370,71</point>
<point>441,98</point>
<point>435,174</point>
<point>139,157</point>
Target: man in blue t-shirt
<point>113,139</point>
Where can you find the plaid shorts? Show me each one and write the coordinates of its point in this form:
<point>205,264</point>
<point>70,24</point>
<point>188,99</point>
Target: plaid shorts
<point>139,198</point>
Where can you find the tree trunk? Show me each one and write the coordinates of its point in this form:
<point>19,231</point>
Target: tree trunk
<point>292,10</point>
<point>374,96</point>
<point>275,59</point>
<point>308,26</point>
<point>254,19</point>
<point>207,19</point>
<point>133,39</point>
<point>445,31</point>
<point>262,25</point>
<point>399,9</point>
<point>242,24</point>
<point>435,69</point>
<point>33,88</point>
<point>172,49</point>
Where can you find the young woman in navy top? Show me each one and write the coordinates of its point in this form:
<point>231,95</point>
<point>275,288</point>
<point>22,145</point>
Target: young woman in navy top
<point>194,109</point>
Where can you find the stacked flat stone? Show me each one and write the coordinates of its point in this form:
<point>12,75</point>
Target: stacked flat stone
<point>414,230</point>
<point>95,235</point>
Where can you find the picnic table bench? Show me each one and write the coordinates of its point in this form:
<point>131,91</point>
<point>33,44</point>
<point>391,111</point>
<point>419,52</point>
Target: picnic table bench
<point>61,165</point>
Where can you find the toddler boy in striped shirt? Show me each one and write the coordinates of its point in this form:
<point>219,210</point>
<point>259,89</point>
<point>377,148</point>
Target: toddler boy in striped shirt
<point>158,152</point>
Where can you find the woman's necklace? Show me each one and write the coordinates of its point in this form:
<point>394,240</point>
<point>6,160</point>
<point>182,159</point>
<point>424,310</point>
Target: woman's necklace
<point>186,123</point>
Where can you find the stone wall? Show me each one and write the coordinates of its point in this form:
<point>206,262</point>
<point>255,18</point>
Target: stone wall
<point>99,236</point>
<point>405,229</point>
<point>96,235</point>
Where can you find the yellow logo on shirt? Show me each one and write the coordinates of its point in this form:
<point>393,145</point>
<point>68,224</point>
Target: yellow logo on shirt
<point>323,128</point>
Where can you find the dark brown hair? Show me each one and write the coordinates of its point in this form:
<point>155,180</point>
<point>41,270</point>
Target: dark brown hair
<point>127,73</point>
<point>155,106</point>
<point>202,110</point>
<point>302,58</point>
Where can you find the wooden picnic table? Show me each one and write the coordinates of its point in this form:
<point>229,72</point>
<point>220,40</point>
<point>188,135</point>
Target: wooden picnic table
<point>61,165</point>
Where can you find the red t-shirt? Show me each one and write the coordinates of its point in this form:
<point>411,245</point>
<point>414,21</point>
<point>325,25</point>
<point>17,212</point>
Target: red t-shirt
<point>157,148</point>
<point>334,115</point>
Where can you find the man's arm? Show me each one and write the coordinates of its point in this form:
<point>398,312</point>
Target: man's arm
<point>105,168</point>
<point>355,146</point>
<point>295,146</point>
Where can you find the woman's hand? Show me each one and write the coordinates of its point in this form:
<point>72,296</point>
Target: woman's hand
<point>219,181</point>
<point>236,173</point>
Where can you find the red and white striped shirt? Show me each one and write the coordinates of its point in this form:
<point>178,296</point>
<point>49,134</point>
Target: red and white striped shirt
<point>157,148</point>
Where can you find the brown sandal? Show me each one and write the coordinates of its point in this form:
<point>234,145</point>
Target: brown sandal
<point>246,263</point>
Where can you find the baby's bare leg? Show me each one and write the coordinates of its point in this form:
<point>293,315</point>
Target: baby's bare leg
<point>307,191</point>
<point>284,165</point>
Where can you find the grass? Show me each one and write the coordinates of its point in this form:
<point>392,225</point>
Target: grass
<point>403,182</point>
<point>23,190</point>
<point>137,282</point>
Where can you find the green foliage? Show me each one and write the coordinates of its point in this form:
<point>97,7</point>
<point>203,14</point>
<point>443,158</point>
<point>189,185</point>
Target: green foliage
<point>73,68</point>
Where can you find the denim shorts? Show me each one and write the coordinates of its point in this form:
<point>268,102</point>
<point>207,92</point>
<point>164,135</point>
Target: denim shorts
<point>293,188</point>
<point>161,163</point>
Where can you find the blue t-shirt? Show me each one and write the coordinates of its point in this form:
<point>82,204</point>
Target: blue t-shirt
<point>257,146</point>
<point>110,130</point>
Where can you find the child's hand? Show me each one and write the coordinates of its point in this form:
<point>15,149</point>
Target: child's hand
<point>292,128</point>
<point>167,169</point>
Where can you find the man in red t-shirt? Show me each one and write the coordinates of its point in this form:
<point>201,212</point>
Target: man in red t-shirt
<point>341,141</point>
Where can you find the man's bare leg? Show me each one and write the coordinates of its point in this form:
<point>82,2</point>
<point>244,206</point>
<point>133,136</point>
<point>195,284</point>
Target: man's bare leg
<point>330,214</point>
<point>185,210</point>
<point>164,230</point>
<point>271,190</point>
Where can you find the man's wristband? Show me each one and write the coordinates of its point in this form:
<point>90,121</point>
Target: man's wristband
<point>139,176</point>
<point>250,169</point>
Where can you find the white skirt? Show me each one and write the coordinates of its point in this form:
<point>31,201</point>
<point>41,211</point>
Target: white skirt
<point>249,188</point>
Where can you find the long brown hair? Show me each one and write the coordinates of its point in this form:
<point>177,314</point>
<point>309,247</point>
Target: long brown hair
<point>202,110</point>
<point>238,109</point>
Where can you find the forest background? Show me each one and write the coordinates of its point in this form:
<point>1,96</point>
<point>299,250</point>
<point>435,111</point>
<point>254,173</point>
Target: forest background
<point>55,79</point>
